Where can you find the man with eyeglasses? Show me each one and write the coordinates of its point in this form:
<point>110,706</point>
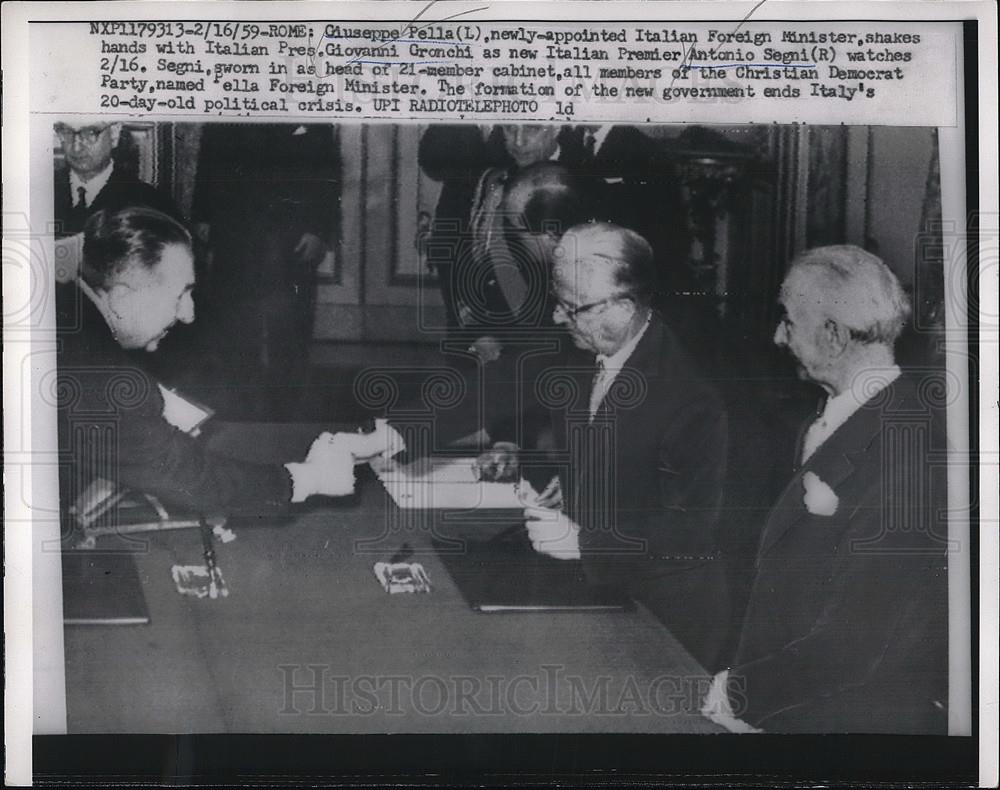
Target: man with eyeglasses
<point>639,439</point>
<point>92,181</point>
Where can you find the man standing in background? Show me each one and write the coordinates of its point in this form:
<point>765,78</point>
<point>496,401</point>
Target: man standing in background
<point>266,202</point>
<point>92,180</point>
<point>636,187</point>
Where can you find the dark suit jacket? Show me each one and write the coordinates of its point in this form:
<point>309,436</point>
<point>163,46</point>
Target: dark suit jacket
<point>637,188</point>
<point>111,425</point>
<point>846,629</point>
<point>260,187</point>
<point>120,191</point>
<point>457,156</point>
<point>644,482</point>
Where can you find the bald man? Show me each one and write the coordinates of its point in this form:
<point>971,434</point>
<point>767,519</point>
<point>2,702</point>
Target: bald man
<point>640,441</point>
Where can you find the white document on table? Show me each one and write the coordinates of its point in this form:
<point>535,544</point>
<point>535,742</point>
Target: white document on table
<point>445,484</point>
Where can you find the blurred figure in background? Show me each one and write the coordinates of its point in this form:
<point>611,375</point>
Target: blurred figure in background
<point>266,202</point>
<point>466,241</point>
<point>456,156</point>
<point>540,203</point>
<point>637,188</point>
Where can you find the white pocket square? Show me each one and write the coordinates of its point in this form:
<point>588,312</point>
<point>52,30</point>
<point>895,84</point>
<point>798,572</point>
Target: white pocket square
<point>819,499</point>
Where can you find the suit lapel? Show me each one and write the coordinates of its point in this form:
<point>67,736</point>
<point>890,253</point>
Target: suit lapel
<point>572,426</point>
<point>644,362</point>
<point>605,151</point>
<point>106,190</point>
<point>64,210</point>
<point>586,449</point>
<point>832,463</point>
<point>800,441</point>
<point>832,467</point>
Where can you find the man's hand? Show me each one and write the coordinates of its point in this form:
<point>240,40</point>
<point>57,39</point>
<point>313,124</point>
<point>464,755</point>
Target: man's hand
<point>327,470</point>
<point>383,442</point>
<point>498,465</point>
<point>325,447</point>
<point>550,498</point>
<point>553,533</point>
<point>310,249</point>
<point>718,709</point>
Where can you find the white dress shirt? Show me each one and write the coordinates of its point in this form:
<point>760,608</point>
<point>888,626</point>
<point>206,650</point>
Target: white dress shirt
<point>838,410</point>
<point>599,135</point>
<point>608,368</point>
<point>92,188</point>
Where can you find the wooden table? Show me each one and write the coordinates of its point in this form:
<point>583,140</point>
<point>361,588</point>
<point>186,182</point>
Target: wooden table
<point>308,641</point>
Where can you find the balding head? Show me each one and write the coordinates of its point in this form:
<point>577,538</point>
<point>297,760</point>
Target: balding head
<point>624,253</point>
<point>603,283</point>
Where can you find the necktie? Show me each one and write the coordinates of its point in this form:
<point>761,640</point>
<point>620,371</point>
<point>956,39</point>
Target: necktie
<point>78,214</point>
<point>589,144</point>
<point>597,389</point>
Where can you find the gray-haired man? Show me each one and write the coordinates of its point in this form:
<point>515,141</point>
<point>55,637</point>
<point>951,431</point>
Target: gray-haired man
<point>846,629</point>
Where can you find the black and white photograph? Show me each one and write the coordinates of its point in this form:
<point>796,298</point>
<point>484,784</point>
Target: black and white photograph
<point>522,428</point>
<point>486,423</point>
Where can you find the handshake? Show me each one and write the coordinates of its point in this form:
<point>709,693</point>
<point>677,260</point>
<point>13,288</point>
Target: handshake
<point>328,468</point>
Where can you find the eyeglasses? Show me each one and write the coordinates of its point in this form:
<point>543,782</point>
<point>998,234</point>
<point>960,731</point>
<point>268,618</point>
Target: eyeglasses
<point>88,135</point>
<point>573,312</point>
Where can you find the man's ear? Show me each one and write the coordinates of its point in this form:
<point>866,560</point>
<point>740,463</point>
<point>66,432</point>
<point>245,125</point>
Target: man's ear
<point>116,132</point>
<point>836,336</point>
